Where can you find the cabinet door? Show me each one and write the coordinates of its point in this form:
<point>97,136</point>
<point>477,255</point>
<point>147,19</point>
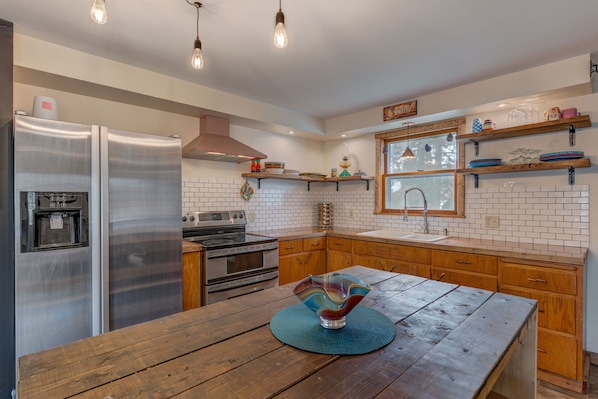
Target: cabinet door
<point>555,312</point>
<point>557,353</point>
<point>337,260</point>
<point>391,251</point>
<point>296,267</point>
<point>468,279</point>
<point>391,265</point>
<point>191,281</point>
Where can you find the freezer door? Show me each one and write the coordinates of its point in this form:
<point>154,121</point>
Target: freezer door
<point>141,222</point>
<point>53,288</point>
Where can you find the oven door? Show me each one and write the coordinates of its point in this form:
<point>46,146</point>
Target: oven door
<point>235,263</point>
<point>217,292</point>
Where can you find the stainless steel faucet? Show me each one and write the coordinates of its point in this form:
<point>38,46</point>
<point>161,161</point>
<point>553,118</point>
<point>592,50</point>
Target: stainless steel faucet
<point>406,215</point>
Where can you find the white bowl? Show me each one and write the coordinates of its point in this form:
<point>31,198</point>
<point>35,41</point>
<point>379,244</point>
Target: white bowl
<point>274,171</point>
<point>292,172</point>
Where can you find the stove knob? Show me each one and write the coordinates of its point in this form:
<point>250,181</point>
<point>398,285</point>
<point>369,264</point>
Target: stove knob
<point>184,218</point>
<point>234,215</point>
<point>240,216</point>
<point>192,218</point>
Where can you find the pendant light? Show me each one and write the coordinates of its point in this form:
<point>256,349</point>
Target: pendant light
<point>408,154</point>
<point>280,33</point>
<point>197,57</point>
<point>98,12</point>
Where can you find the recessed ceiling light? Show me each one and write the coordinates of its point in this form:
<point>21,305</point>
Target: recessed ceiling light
<point>291,132</point>
<point>502,105</point>
<point>343,135</point>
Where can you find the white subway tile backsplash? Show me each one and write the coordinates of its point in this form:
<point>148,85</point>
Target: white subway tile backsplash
<point>556,215</point>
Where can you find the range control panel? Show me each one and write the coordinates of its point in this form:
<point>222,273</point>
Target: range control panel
<point>218,218</point>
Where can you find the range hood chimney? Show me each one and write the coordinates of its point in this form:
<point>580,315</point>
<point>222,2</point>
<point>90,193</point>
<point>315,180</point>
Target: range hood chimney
<point>215,144</point>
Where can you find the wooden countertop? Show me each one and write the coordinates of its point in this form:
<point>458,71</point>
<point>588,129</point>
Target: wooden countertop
<point>191,247</point>
<point>451,342</point>
<point>533,252</point>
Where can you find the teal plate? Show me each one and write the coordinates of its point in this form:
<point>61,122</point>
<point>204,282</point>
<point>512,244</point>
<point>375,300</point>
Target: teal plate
<point>366,330</point>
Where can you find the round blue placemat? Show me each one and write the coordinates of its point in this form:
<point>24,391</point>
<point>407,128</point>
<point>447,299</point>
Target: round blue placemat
<point>366,330</point>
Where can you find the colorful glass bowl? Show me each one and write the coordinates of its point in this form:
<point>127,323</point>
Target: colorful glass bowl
<point>331,296</point>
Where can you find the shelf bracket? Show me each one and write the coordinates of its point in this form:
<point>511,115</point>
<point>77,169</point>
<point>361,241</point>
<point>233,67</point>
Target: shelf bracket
<point>571,175</point>
<point>476,147</point>
<point>308,186</point>
<point>571,135</point>
<point>476,181</point>
<point>259,183</point>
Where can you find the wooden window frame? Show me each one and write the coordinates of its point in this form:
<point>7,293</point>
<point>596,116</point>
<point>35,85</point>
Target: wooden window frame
<point>457,125</point>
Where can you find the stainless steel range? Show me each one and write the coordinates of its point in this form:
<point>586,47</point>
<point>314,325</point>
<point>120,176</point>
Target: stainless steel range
<point>234,263</point>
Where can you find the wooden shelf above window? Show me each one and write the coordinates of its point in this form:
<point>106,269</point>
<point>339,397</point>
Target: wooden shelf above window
<point>569,164</point>
<point>569,124</point>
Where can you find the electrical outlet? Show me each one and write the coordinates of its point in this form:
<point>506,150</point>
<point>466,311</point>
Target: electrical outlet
<point>251,216</point>
<point>491,221</point>
<point>351,214</point>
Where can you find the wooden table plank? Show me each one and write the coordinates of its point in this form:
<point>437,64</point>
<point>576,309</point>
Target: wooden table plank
<point>460,364</point>
<point>367,375</point>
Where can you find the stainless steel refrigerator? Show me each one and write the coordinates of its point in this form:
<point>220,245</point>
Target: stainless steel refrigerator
<point>97,230</point>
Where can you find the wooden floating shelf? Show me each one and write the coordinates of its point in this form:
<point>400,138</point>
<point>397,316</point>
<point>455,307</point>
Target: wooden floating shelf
<point>569,164</point>
<point>569,124</point>
<point>308,179</point>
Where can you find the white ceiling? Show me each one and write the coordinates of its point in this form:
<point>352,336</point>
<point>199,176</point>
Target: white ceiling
<point>343,56</point>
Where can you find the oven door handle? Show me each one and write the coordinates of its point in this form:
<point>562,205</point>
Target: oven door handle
<point>230,285</point>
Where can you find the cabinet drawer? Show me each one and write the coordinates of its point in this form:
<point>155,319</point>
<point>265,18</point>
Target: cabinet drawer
<point>290,247</point>
<point>557,353</point>
<point>555,312</point>
<point>390,251</point>
<point>340,244</point>
<point>468,279</point>
<point>464,261</point>
<point>313,244</point>
<point>414,269</point>
<point>540,278</point>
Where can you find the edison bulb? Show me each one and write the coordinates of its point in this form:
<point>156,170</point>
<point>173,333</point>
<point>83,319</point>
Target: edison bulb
<point>197,58</point>
<point>98,12</point>
<point>280,32</point>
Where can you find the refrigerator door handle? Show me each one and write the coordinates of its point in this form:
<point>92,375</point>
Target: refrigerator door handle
<point>99,277</point>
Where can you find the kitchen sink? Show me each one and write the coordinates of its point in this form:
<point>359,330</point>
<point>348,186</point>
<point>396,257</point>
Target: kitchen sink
<point>403,235</point>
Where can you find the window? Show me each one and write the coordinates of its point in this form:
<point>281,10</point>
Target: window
<point>438,155</point>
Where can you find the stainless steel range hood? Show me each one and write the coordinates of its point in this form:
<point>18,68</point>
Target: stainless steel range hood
<point>215,144</point>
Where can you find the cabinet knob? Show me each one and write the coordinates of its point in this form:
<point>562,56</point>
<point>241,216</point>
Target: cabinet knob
<point>441,276</point>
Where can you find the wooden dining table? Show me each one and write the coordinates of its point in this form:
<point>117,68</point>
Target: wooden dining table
<point>451,342</point>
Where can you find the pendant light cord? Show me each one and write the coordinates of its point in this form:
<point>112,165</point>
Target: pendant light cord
<point>197,6</point>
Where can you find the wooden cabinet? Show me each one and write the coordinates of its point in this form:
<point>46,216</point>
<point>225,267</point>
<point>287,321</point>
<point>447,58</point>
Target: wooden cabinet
<point>468,269</point>
<point>339,254</point>
<point>191,284</point>
<point>558,290</point>
<point>393,258</point>
<point>301,257</point>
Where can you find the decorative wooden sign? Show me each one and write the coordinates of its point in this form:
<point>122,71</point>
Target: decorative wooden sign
<point>401,110</point>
